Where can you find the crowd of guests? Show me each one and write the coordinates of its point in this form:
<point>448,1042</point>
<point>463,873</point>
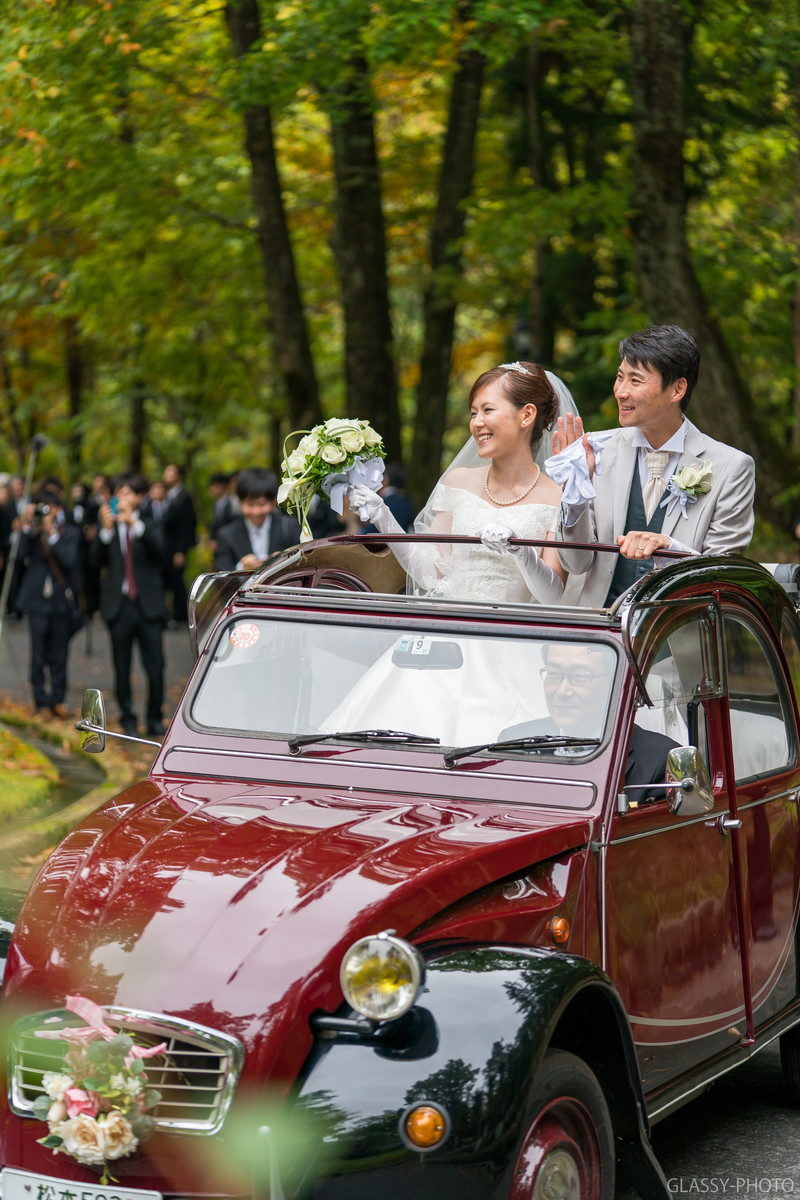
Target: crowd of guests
<point>120,546</point>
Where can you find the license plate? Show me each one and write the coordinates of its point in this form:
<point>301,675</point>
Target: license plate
<point>22,1185</point>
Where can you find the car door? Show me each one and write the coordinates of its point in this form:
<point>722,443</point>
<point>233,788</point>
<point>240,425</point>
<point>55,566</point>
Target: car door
<point>672,923</point>
<point>765,762</point>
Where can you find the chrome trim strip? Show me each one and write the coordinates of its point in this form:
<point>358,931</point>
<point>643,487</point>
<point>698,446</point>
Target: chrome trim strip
<point>635,837</point>
<point>448,771</point>
<point>533,614</point>
<point>792,791</point>
<point>222,1044</point>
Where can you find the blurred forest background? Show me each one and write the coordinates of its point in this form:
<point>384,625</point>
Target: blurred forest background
<point>220,223</point>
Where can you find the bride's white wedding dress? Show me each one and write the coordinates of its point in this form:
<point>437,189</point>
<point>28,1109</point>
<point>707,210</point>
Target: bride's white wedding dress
<point>498,682</point>
<point>472,572</point>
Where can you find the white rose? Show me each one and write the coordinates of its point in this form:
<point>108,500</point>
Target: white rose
<point>352,442</point>
<point>82,1139</point>
<point>338,425</point>
<point>309,443</point>
<point>371,438</point>
<point>690,476</point>
<point>117,1137</point>
<point>332,454</point>
<point>56,1113</point>
<point>55,1085</point>
<point>296,462</point>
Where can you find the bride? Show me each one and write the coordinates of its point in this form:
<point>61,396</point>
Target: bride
<point>495,490</point>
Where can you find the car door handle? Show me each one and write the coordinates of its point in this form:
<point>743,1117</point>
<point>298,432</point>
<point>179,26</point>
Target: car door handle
<point>725,823</point>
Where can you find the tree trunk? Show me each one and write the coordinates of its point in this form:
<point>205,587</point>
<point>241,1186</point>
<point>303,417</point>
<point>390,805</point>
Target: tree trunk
<point>446,269</point>
<point>360,248</point>
<point>138,423</point>
<point>75,368</point>
<point>287,322</point>
<point>541,316</point>
<point>661,35</point>
<point>15,435</point>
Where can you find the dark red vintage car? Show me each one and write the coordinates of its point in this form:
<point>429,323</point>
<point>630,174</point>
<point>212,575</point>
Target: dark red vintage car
<point>430,898</point>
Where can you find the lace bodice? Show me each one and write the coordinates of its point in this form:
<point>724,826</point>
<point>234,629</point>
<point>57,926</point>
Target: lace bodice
<point>471,572</point>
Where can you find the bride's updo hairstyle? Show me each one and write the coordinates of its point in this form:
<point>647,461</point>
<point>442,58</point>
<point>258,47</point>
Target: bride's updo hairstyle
<point>523,383</point>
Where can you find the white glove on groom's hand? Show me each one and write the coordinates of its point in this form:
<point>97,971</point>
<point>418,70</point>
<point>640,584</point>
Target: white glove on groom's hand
<point>367,504</point>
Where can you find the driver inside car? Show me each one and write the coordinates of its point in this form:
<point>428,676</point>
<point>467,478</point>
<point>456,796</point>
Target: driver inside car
<point>577,683</point>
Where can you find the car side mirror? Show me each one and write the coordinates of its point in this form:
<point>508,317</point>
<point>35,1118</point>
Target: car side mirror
<point>689,790</point>
<point>93,722</point>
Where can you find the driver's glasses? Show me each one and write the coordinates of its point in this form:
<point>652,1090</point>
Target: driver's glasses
<point>576,679</point>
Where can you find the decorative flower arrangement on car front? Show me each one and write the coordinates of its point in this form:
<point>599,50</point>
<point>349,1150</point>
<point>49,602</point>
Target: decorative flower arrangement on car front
<point>687,486</point>
<point>328,459</point>
<point>96,1109</point>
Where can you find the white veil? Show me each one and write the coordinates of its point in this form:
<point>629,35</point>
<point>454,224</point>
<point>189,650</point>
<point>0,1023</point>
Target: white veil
<point>468,454</point>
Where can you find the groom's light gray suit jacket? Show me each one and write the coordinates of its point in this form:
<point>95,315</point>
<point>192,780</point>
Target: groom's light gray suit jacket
<point>717,523</point>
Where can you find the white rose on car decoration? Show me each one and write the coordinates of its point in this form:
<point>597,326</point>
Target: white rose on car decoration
<point>351,446</point>
<point>98,1112</point>
<point>687,486</point>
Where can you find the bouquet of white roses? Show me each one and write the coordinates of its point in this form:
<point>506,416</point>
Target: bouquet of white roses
<point>96,1108</point>
<point>328,460</point>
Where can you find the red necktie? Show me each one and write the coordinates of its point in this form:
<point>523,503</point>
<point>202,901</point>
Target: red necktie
<point>130,576</point>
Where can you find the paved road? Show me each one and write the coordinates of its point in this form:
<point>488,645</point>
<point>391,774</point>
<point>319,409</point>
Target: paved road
<point>740,1139</point>
<point>90,666</point>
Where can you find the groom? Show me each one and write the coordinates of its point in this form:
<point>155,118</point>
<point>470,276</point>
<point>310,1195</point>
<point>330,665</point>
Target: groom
<point>712,513</point>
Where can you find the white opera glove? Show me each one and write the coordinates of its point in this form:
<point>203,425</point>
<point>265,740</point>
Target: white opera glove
<point>418,562</point>
<point>370,507</point>
<point>495,538</point>
<point>544,584</point>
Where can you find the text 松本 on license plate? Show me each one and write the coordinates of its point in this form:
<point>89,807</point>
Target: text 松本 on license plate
<point>22,1185</point>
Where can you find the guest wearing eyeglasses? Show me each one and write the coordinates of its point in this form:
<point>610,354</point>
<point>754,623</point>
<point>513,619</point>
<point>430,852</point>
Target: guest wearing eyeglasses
<point>577,682</point>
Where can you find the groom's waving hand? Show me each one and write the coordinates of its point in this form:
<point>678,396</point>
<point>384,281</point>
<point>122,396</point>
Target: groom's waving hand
<point>658,482</point>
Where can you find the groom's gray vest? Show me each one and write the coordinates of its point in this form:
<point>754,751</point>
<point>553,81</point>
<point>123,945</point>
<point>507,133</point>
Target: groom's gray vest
<point>628,570</point>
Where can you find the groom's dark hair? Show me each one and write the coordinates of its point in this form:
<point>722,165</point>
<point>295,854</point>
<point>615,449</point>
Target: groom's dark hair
<point>667,349</point>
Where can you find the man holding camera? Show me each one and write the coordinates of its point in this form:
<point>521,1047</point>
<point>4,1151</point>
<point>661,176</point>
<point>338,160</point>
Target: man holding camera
<point>129,550</point>
<point>49,549</point>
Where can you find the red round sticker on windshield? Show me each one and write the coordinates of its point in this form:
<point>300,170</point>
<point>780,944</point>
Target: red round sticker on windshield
<point>245,635</point>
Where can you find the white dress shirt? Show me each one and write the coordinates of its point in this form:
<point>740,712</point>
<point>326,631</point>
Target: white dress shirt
<point>259,538</point>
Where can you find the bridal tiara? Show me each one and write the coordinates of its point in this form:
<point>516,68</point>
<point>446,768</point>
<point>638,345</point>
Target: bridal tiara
<point>515,366</point>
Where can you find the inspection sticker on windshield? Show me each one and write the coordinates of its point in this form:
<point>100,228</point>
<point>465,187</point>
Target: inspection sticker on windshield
<point>245,635</point>
<point>419,645</point>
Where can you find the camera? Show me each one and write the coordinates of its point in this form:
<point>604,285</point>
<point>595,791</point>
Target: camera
<point>39,512</point>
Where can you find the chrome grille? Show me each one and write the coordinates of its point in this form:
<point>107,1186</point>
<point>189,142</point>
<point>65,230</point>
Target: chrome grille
<point>196,1074</point>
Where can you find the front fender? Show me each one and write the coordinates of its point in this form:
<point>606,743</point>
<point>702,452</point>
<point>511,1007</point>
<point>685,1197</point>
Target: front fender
<point>472,1045</point>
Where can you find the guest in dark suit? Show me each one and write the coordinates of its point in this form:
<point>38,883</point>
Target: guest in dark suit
<point>225,504</point>
<point>576,682</point>
<point>49,548</point>
<point>262,528</point>
<point>180,535</point>
<point>129,550</point>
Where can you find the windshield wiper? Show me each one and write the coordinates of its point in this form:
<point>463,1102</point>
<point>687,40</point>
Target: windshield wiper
<point>361,735</point>
<point>550,740</point>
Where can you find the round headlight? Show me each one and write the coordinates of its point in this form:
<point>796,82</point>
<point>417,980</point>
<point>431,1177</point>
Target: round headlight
<point>381,976</point>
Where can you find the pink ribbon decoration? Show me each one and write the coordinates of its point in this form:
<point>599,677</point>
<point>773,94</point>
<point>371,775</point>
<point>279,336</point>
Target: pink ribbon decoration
<point>94,1017</point>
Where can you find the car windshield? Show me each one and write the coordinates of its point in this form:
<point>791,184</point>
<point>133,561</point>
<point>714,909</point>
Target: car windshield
<point>297,679</point>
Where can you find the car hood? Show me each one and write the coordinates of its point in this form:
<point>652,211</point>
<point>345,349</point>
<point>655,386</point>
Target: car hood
<point>232,905</point>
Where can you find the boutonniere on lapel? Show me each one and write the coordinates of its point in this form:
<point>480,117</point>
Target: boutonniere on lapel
<point>687,486</point>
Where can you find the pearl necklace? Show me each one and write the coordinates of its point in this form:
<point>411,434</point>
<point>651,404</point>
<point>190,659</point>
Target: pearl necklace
<point>516,500</point>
